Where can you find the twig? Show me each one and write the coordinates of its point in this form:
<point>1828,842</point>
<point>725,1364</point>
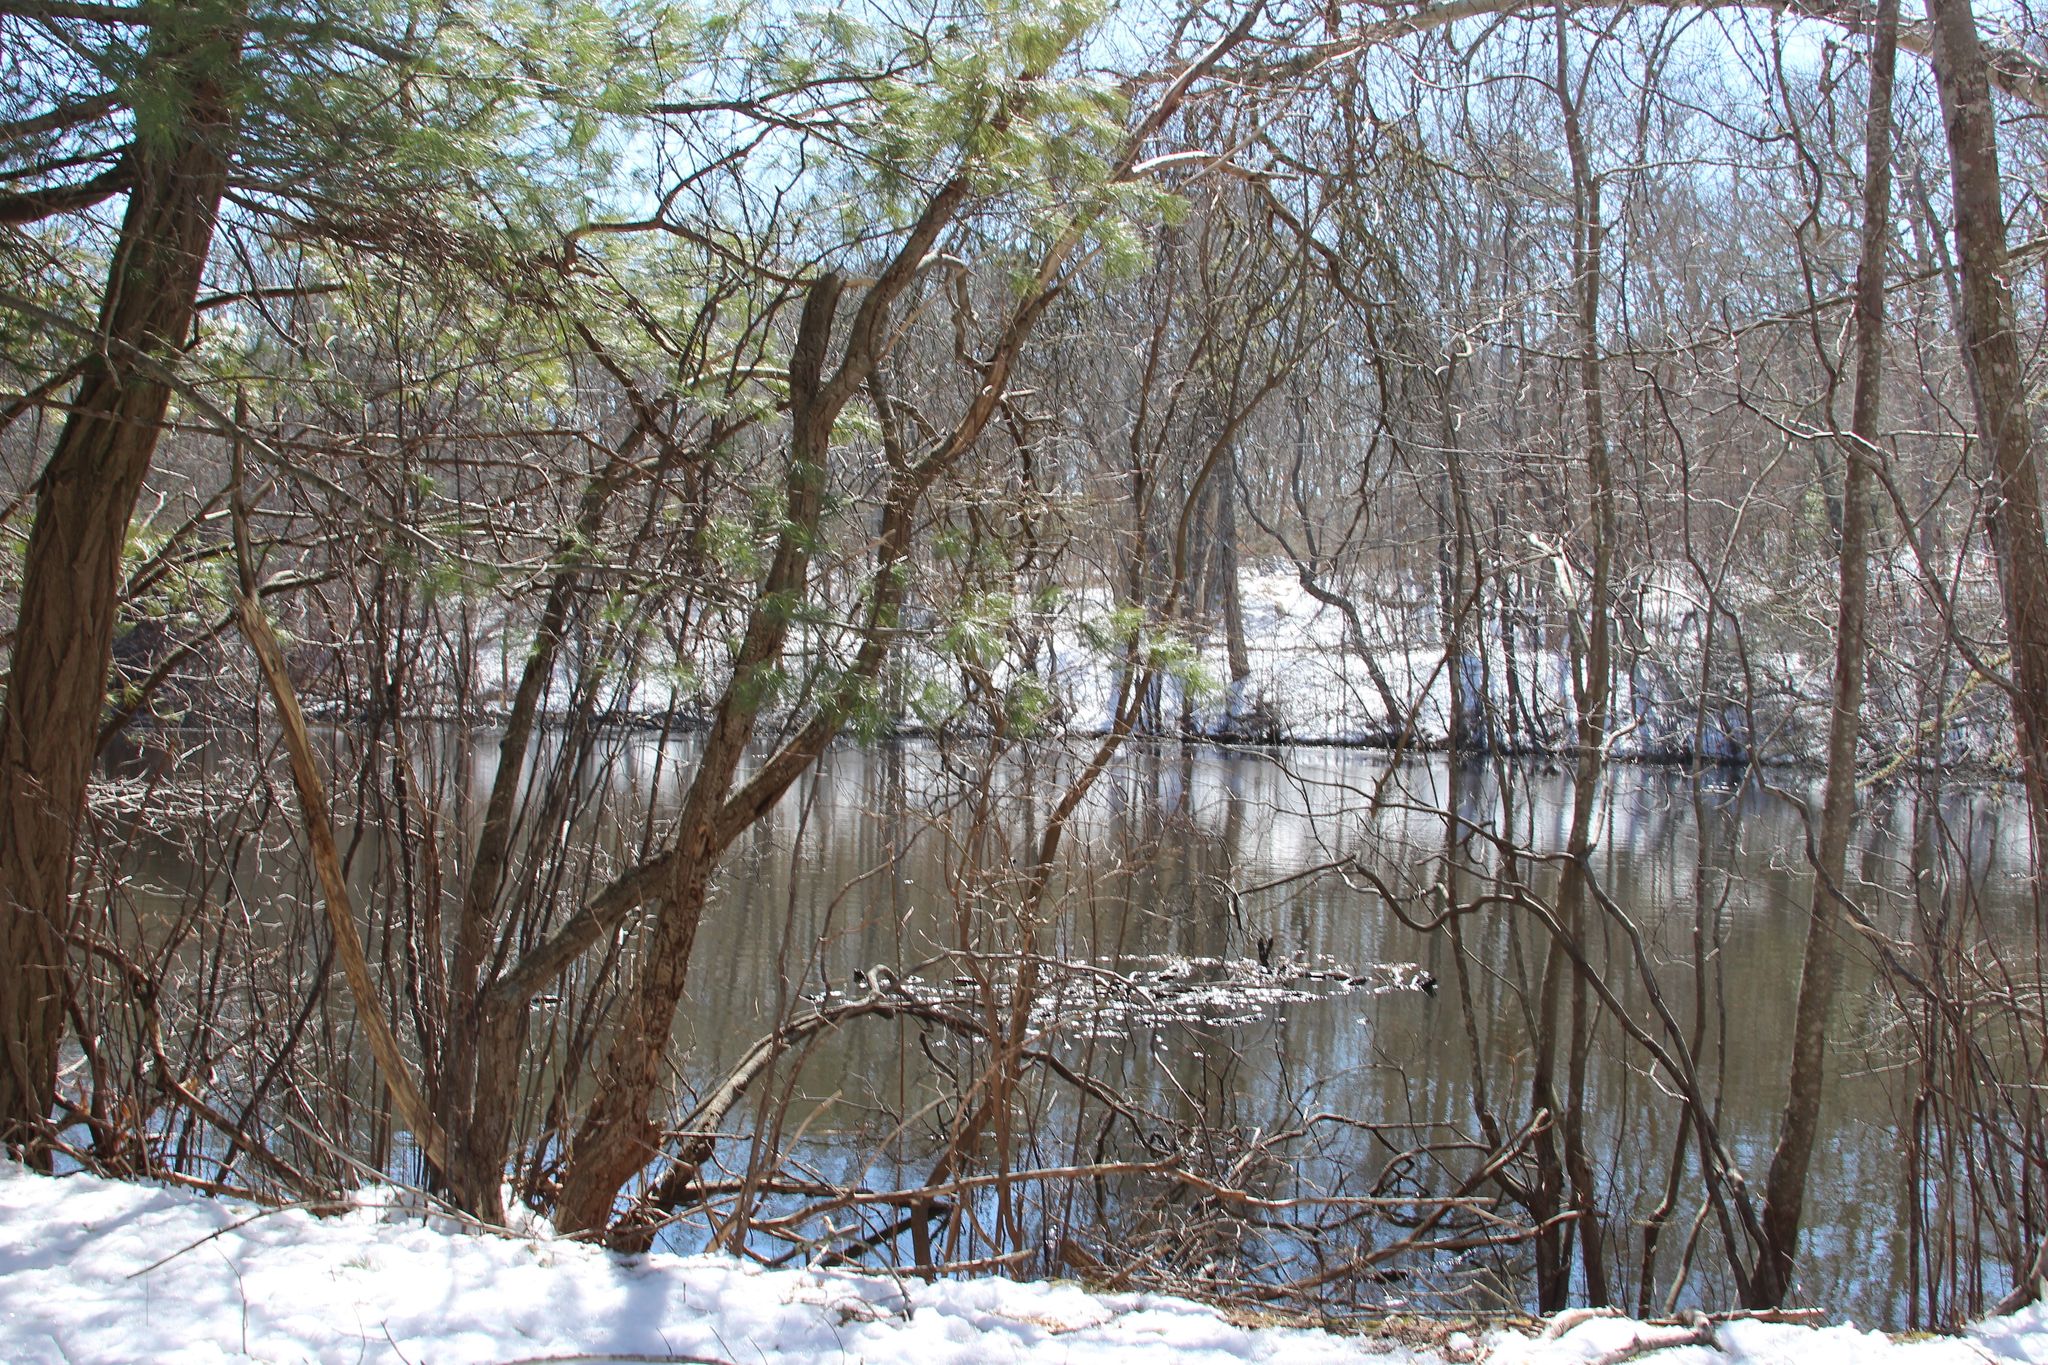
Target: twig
<point>622,1359</point>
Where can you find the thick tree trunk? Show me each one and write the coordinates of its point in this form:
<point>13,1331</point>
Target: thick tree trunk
<point>2004,424</point>
<point>1785,1189</point>
<point>616,1137</point>
<point>1997,385</point>
<point>56,689</point>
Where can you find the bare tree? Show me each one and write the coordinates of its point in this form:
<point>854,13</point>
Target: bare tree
<point>1785,1192</point>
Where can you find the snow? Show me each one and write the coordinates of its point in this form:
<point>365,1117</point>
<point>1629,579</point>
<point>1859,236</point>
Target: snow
<point>93,1270</point>
<point>1309,684</point>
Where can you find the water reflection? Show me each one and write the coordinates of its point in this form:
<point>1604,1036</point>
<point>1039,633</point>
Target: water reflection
<point>892,856</point>
<point>1713,874</point>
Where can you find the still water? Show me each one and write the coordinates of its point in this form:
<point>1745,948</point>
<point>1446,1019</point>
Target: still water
<point>1210,855</point>
<point>1258,986</point>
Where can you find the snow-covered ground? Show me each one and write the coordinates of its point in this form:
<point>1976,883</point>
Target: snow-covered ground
<point>1308,682</point>
<point>1314,680</point>
<point>98,1271</point>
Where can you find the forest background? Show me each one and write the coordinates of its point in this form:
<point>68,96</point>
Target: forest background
<point>402,395</point>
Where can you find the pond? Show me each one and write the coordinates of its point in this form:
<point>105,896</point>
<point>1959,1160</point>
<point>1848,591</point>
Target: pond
<point>859,870</point>
<point>1218,984</point>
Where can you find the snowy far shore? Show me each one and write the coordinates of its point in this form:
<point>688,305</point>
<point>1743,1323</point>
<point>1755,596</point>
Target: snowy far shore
<point>1315,680</point>
<point>94,1270</point>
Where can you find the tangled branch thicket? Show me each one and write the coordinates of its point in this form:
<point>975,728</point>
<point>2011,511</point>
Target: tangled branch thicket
<point>479,473</point>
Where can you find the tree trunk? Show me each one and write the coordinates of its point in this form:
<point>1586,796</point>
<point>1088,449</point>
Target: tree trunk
<point>1997,386</point>
<point>49,722</point>
<point>1592,672</point>
<point>1230,600</point>
<point>617,1138</point>
<point>475,1080</point>
<point>1785,1189</point>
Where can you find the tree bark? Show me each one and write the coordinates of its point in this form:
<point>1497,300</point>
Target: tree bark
<point>1785,1188</point>
<point>56,690</point>
<point>1998,389</point>
<point>616,1137</point>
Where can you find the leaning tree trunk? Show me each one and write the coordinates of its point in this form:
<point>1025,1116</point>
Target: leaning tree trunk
<point>617,1137</point>
<point>1998,387</point>
<point>1785,1190</point>
<point>63,642</point>
<point>614,1140</point>
<point>475,1077</point>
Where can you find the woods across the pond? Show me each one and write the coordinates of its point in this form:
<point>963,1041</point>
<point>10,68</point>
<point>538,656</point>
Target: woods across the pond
<point>469,463</point>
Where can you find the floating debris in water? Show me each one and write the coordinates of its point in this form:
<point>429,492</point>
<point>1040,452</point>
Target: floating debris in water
<point>1104,998</point>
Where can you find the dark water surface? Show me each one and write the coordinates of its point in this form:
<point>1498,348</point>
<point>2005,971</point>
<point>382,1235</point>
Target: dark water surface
<point>857,869</point>
<point>1199,865</point>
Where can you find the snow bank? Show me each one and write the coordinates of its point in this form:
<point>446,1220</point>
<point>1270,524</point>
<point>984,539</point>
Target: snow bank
<point>97,1271</point>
